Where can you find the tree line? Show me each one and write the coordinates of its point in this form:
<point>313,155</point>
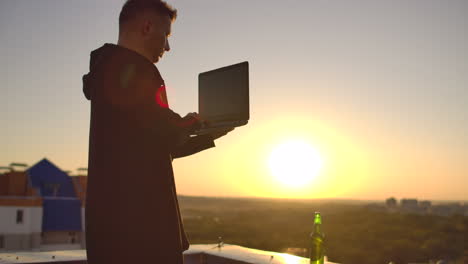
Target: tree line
<point>354,234</point>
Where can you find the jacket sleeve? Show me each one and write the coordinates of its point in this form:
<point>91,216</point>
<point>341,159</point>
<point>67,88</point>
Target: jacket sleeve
<point>192,146</point>
<point>143,91</point>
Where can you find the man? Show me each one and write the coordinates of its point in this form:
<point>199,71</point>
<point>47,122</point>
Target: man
<point>132,213</point>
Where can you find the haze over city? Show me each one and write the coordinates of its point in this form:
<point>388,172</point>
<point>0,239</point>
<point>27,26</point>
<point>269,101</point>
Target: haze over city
<point>361,99</point>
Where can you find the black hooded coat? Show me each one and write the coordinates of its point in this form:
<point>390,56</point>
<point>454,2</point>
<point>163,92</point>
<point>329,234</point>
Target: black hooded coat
<point>132,212</point>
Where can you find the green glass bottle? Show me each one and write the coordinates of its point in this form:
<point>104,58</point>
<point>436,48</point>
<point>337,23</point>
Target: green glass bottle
<point>317,239</point>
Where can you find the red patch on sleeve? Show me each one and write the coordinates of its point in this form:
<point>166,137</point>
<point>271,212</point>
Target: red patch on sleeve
<point>161,97</point>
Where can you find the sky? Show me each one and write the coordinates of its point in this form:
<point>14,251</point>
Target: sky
<point>377,89</point>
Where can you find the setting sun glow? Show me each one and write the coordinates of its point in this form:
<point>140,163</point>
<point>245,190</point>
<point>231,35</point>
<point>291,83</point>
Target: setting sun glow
<point>295,163</point>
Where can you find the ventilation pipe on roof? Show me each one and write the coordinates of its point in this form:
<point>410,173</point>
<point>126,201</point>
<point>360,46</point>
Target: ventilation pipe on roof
<point>17,164</point>
<point>4,168</point>
<point>81,171</point>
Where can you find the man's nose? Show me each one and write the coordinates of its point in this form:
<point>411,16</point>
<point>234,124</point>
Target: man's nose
<point>167,47</point>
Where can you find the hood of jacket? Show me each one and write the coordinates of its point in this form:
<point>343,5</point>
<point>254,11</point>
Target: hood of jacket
<point>97,57</point>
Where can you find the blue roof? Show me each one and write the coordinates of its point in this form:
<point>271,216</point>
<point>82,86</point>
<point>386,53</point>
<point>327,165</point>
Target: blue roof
<point>50,180</point>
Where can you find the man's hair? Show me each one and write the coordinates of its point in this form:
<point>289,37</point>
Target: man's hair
<point>133,8</point>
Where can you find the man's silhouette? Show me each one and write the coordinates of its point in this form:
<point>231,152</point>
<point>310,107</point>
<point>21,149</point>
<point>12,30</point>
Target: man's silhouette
<point>132,213</point>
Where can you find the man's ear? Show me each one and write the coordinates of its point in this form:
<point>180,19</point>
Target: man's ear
<point>147,27</point>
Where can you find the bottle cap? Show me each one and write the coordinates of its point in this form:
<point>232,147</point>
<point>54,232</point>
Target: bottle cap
<point>318,218</point>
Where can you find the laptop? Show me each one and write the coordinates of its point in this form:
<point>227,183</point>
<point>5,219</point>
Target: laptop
<point>223,97</point>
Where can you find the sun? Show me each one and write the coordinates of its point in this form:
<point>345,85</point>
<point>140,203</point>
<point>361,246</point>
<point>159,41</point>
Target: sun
<point>295,163</point>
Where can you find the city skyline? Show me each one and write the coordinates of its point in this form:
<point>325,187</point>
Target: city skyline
<point>377,88</point>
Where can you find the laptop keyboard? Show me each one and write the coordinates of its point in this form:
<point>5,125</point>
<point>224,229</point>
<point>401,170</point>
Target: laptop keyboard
<point>216,126</point>
<point>226,124</point>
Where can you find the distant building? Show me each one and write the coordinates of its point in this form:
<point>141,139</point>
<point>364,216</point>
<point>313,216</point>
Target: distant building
<point>20,213</point>
<point>425,206</point>
<point>413,206</point>
<point>41,209</point>
<point>391,202</point>
<point>448,209</point>
<point>409,205</point>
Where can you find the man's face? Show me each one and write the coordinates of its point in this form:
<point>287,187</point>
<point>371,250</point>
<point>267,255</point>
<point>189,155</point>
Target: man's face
<point>158,34</point>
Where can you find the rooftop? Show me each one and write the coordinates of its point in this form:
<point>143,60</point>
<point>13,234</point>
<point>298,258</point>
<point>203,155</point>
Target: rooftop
<point>197,254</point>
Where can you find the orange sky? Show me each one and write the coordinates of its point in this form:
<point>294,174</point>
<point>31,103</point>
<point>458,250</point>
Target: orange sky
<point>377,87</point>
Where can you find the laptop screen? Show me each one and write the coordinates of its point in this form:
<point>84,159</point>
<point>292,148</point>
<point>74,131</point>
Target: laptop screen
<point>223,94</point>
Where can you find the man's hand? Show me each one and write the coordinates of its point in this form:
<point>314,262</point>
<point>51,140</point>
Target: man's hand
<point>197,117</point>
<point>219,133</point>
<point>194,115</point>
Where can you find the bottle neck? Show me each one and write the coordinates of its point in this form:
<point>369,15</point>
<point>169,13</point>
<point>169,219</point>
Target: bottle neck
<point>317,228</point>
<point>317,219</point>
